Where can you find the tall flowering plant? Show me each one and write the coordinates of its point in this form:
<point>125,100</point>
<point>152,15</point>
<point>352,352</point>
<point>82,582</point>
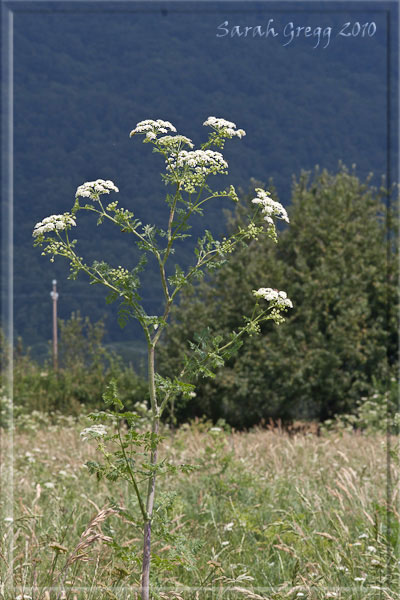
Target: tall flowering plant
<point>187,174</point>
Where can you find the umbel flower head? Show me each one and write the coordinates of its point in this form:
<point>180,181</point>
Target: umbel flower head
<point>200,161</point>
<point>53,223</point>
<point>94,431</point>
<point>152,128</point>
<point>175,140</point>
<point>280,298</point>
<point>270,208</point>
<point>225,127</point>
<point>92,189</point>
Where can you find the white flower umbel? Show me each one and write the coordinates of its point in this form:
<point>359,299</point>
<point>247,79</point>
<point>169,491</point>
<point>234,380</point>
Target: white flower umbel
<point>175,140</point>
<point>194,166</point>
<point>227,128</point>
<point>95,431</point>
<point>53,223</point>
<point>270,208</point>
<point>93,189</point>
<point>266,293</point>
<point>152,128</point>
<point>200,161</point>
<point>279,297</point>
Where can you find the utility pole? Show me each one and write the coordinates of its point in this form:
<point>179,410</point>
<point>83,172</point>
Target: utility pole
<point>54,296</point>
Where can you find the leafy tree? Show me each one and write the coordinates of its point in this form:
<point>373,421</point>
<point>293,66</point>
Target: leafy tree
<point>337,261</point>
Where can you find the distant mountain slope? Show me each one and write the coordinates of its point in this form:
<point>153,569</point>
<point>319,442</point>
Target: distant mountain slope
<point>84,77</point>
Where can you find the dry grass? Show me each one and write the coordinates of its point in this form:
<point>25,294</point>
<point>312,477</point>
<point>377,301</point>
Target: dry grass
<point>264,515</point>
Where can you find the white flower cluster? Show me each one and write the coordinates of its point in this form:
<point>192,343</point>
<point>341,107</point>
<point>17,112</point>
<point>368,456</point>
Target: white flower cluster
<point>152,128</point>
<point>270,207</point>
<point>226,127</point>
<point>92,189</point>
<point>175,139</point>
<point>95,431</point>
<point>200,161</point>
<point>269,294</point>
<point>53,223</point>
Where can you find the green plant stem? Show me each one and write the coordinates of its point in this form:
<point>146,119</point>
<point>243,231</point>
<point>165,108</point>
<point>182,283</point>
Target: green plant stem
<point>139,497</point>
<point>152,480</point>
<point>168,396</point>
<point>113,220</point>
<point>170,221</point>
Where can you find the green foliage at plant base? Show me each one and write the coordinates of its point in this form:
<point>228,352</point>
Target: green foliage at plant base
<point>338,262</point>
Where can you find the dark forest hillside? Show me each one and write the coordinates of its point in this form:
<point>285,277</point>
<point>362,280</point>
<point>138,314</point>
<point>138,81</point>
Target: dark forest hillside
<point>84,75</point>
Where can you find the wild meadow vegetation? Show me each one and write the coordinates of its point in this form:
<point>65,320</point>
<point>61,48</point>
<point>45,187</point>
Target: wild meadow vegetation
<point>262,515</point>
<point>304,510</point>
<point>135,454</point>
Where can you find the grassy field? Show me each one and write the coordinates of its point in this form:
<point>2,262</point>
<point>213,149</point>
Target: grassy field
<point>263,515</point>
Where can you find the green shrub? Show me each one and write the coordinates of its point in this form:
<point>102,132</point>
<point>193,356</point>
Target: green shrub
<point>85,368</point>
<point>338,263</point>
<point>377,413</point>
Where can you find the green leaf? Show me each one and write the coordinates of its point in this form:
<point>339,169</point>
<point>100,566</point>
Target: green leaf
<point>111,396</point>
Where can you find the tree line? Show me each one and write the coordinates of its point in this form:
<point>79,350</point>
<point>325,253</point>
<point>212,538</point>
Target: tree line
<point>338,262</point>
